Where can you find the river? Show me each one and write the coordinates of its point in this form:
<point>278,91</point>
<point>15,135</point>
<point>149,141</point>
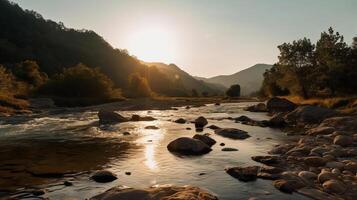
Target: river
<point>43,152</point>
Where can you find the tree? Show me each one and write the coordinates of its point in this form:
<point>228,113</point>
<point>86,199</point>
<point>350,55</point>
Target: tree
<point>233,91</point>
<point>138,86</point>
<point>81,81</point>
<point>29,72</point>
<point>194,93</point>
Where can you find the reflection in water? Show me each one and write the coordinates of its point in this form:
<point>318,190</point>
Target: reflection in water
<point>150,161</point>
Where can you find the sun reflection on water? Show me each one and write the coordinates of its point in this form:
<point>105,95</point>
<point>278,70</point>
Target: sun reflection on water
<point>150,161</point>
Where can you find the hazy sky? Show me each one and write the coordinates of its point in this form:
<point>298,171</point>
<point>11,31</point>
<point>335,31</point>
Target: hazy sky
<point>203,37</point>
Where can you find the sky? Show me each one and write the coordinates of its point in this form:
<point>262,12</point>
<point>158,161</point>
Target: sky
<point>205,37</point>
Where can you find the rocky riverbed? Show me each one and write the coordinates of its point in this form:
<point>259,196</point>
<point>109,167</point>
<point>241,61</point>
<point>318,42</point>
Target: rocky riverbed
<point>207,152</point>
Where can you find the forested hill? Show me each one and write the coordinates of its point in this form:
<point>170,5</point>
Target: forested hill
<point>26,35</point>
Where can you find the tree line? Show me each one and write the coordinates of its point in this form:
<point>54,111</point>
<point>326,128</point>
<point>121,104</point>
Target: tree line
<point>327,68</point>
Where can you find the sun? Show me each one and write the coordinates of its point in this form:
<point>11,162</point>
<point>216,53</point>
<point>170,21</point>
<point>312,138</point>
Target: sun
<point>153,44</point>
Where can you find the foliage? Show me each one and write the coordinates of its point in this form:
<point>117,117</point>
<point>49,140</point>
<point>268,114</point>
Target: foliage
<point>81,81</point>
<point>194,93</point>
<point>327,68</point>
<point>233,91</point>
<point>29,72</point>
<point>138,86</point>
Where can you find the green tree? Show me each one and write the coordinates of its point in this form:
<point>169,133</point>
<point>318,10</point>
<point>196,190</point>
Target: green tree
<point>29,72</point>
<point>233,91</point>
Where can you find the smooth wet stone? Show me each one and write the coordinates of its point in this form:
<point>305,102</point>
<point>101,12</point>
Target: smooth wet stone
<point>334,186</point>
<point>319,150</point>
<point>200,122</point>
<point>268,160</point>
<point>341,123</point>
<point>188,146</point>
<point>307,175</point>
<point>310,114</point>
<point>315,161</point>
<point>343,140</point>
<point>156,193</point>
<point>206,139</point>
<point>232,133</point>
<point>152,127</point>
<point>268,176</point>
<point>271,170</point>
<point>276,104</point>
<point>126,133</point>
<point>324,130</point>
<point>334,164</point>
<point>287,186</point>
<point>140,118</point>
<point>103,176</point>
<point>260,107</point>
<point>351,166</point>
<point>281,149</point>
<point>213,127</point>
<point>325,176</point>
<point>67,183</point>
<point>315,194</point>
<point>180,121</point>
<point>244,173</point>
<point>222,144</point>
<point>277,121</point>
<point>110,117</point>
<point>229,149</point>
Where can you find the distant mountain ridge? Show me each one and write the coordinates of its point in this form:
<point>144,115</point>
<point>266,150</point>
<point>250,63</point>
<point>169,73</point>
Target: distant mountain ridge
<point>249,79</point>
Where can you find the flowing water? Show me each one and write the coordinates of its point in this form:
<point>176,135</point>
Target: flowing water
<point>44,152</point>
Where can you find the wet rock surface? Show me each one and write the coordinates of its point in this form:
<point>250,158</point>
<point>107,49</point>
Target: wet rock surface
<point>110,117</point>
<point>156,193</point>
<point>232,133</point>
<point>103,176</point>
<point>188,146</point>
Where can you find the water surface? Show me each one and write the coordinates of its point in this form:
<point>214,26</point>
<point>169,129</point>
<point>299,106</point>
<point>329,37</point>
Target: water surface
<point>44,152</point>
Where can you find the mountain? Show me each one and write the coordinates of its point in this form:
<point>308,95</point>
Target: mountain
<point>190,83</point>
<point>26,35</point>
<point>249,79</point>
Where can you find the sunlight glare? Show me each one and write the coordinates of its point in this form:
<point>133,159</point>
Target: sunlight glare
<point>153,44</point>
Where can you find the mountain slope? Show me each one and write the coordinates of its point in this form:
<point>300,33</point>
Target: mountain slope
<point>249,79</point>
<point>173,72</point>
<point>26,35</point>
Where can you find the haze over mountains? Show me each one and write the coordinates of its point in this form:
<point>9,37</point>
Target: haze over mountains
<point>249,79</point>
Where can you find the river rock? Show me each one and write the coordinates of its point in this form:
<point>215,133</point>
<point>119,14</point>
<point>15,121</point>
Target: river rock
<point>103,176</point>
<point>351,166</point>
<point>180,121</point>
<point>334,186</point>
<point>213,127</point>
<point>325,176</point>
<point>276,104</point>
<point>260,107</point>
<point>151,127</point>
<point>140,118</point>
<point>321,130</point>
<point>110,117</point>
<point>244,173</point>
<point>341,123</point>
<point>232,133</point>
<point>315,161</point>
<point>334,164</point>
<point>277,121</point>
<point>166,192</point>
<point>287,186</point>
<point>229,149</point>
<point>206,139</point>
<point>188,146</point>
<point>310,114</point>
<point>307,175</point>
<point>343,140</point>
<point>268,160</point>
<point>281,149</point>
<point>315,194</point>
<point>200,122</point>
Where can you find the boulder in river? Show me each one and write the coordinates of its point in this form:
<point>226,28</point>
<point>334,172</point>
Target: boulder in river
<point>288,186</point>
<point>260,107</point>
<point>229,149</point>
<point>180,121</point>
<point>275,105</point>
<point>200,122</point>
<point>110,117</point>
<point>334,186</point>
<point>103,176</point>
<point>268,160</point>
<point>232,133</point>
<point>166,192</point>
<point>244,173</point>
<point>213,127</point>
<point>152,127</point>
<point>206,139</point>
<point>310,114</point>
<point>140,118</point>
<point>188,146</point>
<point>343,140</point>
<point>315,161</point>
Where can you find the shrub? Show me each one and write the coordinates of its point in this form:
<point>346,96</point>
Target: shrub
<point>233,91</point>
<point>81,81</point>
<point>138,86</point>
